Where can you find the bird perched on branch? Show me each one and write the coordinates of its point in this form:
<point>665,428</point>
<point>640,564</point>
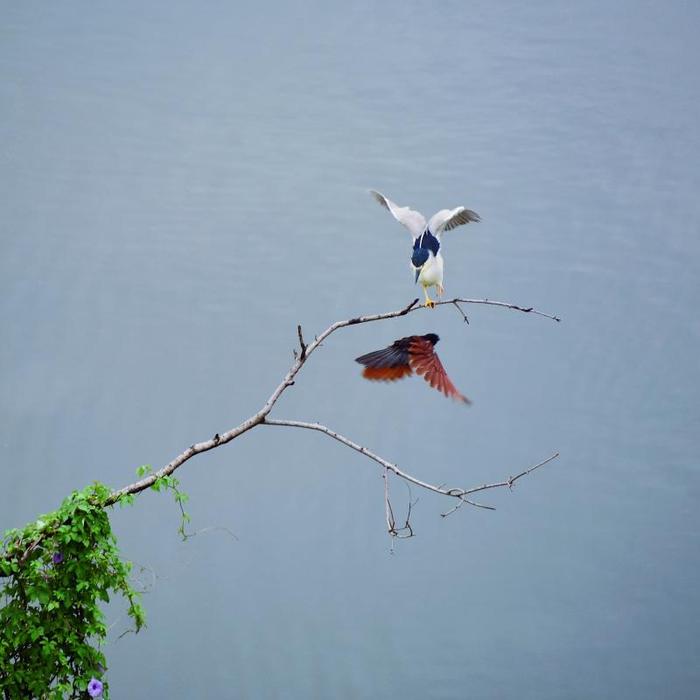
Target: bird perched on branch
<point>405,356</point>
<point>426,258</point>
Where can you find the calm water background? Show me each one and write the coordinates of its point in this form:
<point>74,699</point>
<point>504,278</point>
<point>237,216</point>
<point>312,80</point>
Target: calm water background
<point>181,184</point>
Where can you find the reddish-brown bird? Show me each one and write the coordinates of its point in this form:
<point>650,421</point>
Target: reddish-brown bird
<point>406,356</point>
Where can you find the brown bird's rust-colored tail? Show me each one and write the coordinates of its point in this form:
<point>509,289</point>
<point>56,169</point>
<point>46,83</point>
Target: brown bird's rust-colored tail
<point>386,374</point>
<point>405,356</point>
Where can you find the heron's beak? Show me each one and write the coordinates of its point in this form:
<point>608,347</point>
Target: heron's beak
<point>418,269</point>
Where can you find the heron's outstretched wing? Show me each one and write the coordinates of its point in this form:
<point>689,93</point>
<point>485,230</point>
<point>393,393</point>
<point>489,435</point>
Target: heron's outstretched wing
<point>388,364</point>
<point>424,361</point>
<point>414,221</point>
<point>447,219</point>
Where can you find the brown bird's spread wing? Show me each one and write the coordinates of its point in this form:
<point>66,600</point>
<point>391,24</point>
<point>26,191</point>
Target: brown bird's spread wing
<point>424,361</point>
<point>405,356</point>
<point>389,364</point>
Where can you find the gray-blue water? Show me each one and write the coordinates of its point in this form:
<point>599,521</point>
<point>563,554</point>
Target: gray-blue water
<point>183,183</point>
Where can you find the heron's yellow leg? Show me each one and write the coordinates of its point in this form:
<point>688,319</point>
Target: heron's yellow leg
<point>440,290</point>
<point>428,301</point>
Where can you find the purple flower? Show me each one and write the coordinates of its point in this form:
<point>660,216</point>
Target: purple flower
<point>94,688</point>
<point>57,558</point>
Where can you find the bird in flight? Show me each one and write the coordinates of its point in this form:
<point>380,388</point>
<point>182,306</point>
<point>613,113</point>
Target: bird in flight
<point>426,258</point>
<point>405,356</point>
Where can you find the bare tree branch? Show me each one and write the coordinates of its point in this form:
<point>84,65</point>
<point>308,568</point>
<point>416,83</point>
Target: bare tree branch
<point>306,350</point>
<point>458,493</point>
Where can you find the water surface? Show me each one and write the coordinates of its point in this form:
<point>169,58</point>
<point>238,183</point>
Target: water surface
<point>183,184</point>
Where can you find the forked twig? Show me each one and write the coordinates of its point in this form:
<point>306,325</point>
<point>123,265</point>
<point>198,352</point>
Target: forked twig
<point>459,493</point>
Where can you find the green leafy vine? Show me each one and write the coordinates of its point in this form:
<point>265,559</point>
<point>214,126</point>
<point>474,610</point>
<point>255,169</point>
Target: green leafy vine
<point>170,483</point>
<point>57,573</point>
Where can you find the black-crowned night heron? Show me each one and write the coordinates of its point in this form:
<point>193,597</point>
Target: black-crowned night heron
<point>426,259</point>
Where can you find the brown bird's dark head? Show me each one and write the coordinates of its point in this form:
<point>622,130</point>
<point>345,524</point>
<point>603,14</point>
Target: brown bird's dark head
<point>408,355</point>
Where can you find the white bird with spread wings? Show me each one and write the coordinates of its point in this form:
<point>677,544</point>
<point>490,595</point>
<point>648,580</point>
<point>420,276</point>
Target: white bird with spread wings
<point>426,258</point>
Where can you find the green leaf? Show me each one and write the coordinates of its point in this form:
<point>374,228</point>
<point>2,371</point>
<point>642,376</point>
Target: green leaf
<point>143,470</point>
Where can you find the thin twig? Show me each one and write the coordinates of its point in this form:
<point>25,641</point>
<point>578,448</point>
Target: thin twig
<point>213,528</point>
<point>302,344</point>
<point>396,533</point>
<point>459,308</point>
<point>506,305</point>
<point>458,493</point>
<point>511,479</point>
<point>388,512</point>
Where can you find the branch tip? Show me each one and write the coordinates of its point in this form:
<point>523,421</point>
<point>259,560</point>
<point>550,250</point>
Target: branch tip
<point>302,344</point>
